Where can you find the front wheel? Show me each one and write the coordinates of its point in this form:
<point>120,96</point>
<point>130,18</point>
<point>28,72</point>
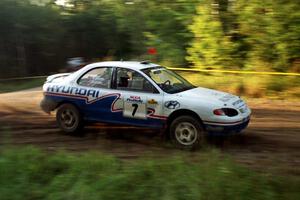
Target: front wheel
<point>186,132</point>
<point>69,119</point>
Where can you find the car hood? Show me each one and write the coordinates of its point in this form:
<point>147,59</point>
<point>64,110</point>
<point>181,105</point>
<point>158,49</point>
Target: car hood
<point>212,96</point>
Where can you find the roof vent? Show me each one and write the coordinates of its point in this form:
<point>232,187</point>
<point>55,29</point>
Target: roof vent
<point>145,62</point>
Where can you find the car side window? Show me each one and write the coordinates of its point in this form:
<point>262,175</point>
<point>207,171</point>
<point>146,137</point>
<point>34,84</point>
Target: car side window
<point>98,77</point>
<point>128,79</point>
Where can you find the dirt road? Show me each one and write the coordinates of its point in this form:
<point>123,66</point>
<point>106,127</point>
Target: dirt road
<point>271,142</point>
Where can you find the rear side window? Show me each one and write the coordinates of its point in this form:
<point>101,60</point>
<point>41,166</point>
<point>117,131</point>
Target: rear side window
<point>98,77</point>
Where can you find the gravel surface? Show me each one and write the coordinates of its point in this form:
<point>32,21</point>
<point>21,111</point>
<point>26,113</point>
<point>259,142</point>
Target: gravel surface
<point>271,142</point>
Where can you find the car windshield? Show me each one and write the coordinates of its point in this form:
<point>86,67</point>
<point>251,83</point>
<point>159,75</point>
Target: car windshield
<point>167,80</point>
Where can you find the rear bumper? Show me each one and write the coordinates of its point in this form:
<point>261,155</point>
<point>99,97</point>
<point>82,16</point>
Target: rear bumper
<point>227,130</point>
<point>48,105</point>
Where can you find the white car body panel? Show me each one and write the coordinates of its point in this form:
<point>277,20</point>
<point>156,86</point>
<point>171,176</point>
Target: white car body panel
<point>151,106</point>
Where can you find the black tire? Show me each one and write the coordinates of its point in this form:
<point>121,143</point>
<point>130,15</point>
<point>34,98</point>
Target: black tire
<point>69,119</point>
<point>186,132</point>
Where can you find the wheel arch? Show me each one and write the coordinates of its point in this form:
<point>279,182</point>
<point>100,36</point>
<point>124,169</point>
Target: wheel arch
<point>68,102</point>
<point>181,112</point>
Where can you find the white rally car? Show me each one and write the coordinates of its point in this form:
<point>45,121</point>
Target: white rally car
<point>142,94</point>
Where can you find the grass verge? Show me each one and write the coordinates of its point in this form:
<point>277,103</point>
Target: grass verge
<point>29,173</point>
<point>15,85</point>
<point>254,86</point>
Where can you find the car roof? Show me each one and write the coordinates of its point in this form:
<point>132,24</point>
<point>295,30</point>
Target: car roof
<point>136,65</point>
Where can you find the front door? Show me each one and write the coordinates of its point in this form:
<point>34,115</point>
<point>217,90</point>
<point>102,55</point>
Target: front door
<point>140,103</point>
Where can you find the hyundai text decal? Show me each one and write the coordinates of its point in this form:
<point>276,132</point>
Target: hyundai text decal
<point>90,94</point>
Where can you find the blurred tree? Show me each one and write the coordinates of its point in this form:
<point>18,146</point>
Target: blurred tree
<point>160,24</point>
<point>30,37</point>
<point>92,29</point>
<point>207,46</point>
<point>217,41</point>
<point>258,35</point>
<point>273,32</point>
<point>37,36</point>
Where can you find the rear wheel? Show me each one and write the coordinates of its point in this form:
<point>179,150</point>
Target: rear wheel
<point>69,119</point>
<point>186,132</point>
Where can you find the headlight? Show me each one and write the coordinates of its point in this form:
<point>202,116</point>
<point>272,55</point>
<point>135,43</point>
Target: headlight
<point>230,112</point>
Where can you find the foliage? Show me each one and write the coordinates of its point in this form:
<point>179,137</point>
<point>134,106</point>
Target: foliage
<point>38,36</point>
<point>29,38</point>
<point>210,44</point>
<point>258,35</point>
<point>28,173</point>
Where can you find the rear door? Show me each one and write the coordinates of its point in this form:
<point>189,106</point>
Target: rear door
<point>97,84</point>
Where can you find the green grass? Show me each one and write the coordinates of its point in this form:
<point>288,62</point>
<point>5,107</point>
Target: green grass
<point>29,173</point>
<point>15,85</point>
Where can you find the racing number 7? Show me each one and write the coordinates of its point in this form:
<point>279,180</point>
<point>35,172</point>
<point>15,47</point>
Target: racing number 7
<point>135,107</point>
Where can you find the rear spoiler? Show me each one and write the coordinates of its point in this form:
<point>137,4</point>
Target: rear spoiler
<point>55,76</point>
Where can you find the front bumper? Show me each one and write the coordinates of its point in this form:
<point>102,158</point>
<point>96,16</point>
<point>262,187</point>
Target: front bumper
<point>226,130</point>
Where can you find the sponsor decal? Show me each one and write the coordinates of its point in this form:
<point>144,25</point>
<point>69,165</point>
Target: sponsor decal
<point>172,104</point>
<point>243,110</point>
<point>227,97</point>
<point>134,99</point>
<point>152,101</point>
<point>91,94</point>
<point>237,102</point>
